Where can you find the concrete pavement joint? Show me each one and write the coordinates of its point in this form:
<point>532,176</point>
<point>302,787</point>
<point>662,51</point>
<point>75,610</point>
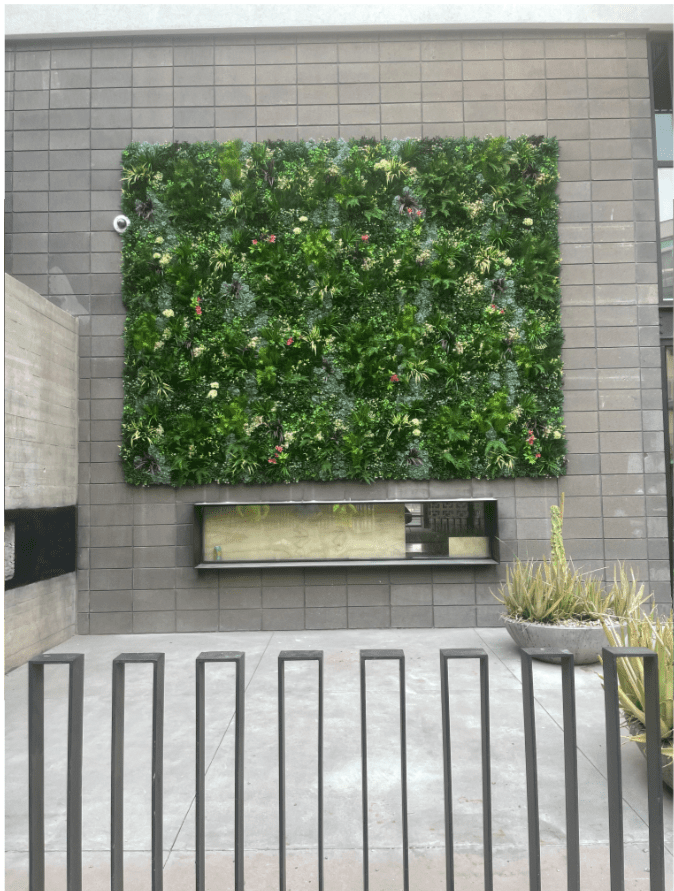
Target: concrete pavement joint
<point>217,749</point>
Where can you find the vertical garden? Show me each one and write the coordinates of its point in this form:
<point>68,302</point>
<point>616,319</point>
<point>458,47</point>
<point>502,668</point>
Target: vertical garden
<point>341,310</point>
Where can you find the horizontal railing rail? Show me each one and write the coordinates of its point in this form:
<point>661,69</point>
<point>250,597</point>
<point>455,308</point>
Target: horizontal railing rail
<point>75,663</point>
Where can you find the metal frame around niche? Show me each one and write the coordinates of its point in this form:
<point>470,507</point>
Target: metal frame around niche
<point>491,529</point>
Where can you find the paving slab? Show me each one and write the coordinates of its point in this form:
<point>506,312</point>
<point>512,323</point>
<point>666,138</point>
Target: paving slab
<point>342,766</point>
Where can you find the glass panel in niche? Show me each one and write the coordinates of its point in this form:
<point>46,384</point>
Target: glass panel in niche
<point>304,532</point>
<point>449,529</point>
<point>661,76</point>
<point>347,531</point>
<point>663,136</point>
<point>666,201</point>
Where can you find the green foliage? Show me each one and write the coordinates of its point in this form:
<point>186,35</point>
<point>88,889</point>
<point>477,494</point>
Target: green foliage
<point>341,310</point>
<point>656,633</point>
<point>554,592</point>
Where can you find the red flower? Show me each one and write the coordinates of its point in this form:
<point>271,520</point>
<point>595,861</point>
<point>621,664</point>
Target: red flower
<point>254,241</point>
<point>279,449</point>
<point>418,213</point>
<point>409,210</point>
<point>364,237</point>
<point>271,460</point>
<point>538,454</point>
<point>289,341</point>
<point>272,238</point>
<point>394,378</point>
<point>198,310</point>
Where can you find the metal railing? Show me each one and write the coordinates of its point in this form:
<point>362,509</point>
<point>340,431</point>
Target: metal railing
<point>74,765</point>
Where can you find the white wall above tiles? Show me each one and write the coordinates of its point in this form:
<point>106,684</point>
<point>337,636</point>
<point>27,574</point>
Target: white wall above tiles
<point>66,20</point>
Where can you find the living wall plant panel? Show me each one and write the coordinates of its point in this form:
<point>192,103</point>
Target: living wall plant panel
<point>341,310</point>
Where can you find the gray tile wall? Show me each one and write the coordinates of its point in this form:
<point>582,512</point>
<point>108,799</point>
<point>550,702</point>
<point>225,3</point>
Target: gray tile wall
<point>72,108</point>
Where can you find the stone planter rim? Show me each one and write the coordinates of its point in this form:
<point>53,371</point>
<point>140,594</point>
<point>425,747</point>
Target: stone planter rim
<point>538,634</point>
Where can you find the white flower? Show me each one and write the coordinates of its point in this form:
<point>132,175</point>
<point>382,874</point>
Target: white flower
<point>168,313</point>
<point>557,434</point>
<point>416,422</point>
<point>158,344</point>
<point>212,394</point>
<point>304,219</point>
<point>159,240</point>
<point>416,433</point>
<point>156,256</point>
<point>296,230</point>
<point>215,385</point>
<point>528,221</point>
<point>507,262</point>
<point>165,260</point>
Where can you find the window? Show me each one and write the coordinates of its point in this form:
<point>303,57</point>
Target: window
<point>660,66</point>
<point>661,81</point>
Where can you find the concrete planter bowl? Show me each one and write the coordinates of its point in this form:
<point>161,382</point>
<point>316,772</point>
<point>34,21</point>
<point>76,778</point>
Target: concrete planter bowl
<point>636,729</point>
<point>583,640</point>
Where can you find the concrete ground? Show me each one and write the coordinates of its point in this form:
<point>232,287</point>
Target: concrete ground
<point>342,820</point>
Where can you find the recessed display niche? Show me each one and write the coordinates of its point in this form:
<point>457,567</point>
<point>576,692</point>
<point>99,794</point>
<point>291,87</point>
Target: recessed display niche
<point>345,533</point>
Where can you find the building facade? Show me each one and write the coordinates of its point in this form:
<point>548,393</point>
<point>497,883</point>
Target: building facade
<point>74,101</point>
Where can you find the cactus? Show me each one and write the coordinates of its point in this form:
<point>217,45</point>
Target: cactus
<point>557,552</point>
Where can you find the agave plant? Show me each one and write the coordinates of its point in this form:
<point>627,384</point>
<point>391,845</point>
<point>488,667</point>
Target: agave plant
<point>555,592</point>
<point>655,632</point>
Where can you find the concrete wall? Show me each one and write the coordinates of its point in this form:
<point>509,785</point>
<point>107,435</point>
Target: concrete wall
<point>41,451</point>
<point>77,103</point>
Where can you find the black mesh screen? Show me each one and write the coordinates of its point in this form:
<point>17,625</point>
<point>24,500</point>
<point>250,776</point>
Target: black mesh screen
<point>45,543</point>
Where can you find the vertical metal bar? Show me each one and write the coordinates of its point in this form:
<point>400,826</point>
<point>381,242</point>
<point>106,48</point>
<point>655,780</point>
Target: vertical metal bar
<point>486,774</point>
<point>570,766</point>
<point>199,798</point>
<point>239,659</point>
<point>447,769</point>
<point>655,818</point>
<point>531,773</point>
<point>117,779</point>
<point>570,774</point>
<point>320,775</point>
<point>36,775</point>
<point>75,663</point>
<point>157,772</point>
<point>613,770</point>
<point>75,744</point>
<point>445,655</point>
<point>238,768</point>
<point>656,838</point>
<point>366,655</point>
<point>281,777</point>
<point>117,767</point>
<point>299,656</point>
<point>403,774</point>
<point>363,770</point>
